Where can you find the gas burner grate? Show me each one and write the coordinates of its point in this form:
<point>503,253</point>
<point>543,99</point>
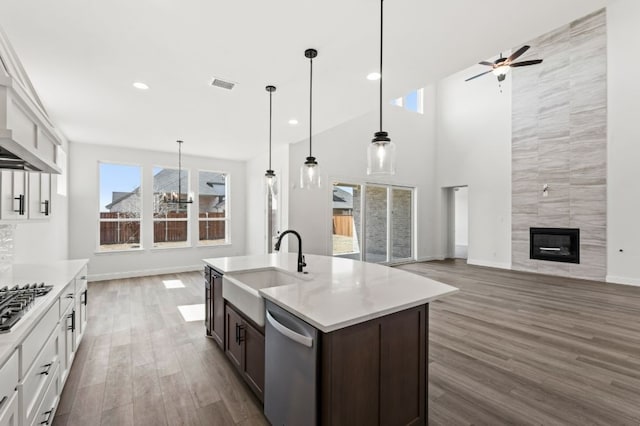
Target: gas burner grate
<point>17,300</point>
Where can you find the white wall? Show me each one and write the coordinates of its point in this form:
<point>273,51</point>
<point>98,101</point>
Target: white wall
<point>474,149</point>
<point>623,171</point>
<point>84,206</point>
<point>342,155</point>
<point>256,199</point>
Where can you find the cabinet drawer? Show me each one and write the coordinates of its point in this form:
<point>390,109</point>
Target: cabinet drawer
<point>40,333</point>
<point>66,298</point>
<point>34,383</point>
<point>8,379</point>
<point>9,413</point>
<point>45,412</point>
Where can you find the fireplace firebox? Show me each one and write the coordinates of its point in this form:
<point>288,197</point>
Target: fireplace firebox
<point>555,244</point>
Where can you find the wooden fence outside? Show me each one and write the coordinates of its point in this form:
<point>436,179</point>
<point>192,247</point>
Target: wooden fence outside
<point>128,232</point>
<point>343,225</point>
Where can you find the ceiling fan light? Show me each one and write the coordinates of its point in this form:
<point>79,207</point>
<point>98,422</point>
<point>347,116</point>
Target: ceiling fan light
<point>501,70</point>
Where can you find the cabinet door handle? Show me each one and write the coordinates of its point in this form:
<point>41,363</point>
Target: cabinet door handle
<point>46,208</point>
<point>20,199</point>
<point>69,296</point>
<point>2,401</point>
<point>48,414</point>
<point>48,367</point>
<point>73,320</point>
<point>241,333</point>
<point>86,297</point>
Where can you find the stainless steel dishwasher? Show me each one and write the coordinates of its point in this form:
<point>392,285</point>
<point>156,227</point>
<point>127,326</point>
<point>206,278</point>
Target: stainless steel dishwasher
<point>291,369</point>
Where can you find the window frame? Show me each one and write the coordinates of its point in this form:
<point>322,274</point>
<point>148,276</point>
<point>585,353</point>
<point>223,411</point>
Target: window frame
<point>98,248</point>
<point>227,211</point>
<point>188,219</point>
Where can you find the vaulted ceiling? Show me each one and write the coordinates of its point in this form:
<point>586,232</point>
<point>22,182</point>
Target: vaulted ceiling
<point>83,56</point>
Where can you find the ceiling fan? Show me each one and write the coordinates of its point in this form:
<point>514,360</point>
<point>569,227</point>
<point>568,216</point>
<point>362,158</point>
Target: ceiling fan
<point>501,66</point>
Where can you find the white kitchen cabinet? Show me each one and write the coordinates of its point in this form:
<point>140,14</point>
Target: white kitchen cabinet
<point>81,301</point>
<point>67,328</point>
<point>9,413</point>
<point>13,195</point>
<point>8,393</point>
<point>39,199</point>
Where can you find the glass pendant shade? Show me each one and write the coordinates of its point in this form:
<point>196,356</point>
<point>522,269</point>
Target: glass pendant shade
<point>310,174</point>
<point>271,180</point>
<point>381,155</point>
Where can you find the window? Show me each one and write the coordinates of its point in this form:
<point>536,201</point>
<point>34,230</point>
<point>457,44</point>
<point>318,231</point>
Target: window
<point>120,207</point>
<point>373,223</point>
<point>213,211</point>
<point>414,101</point>
<point>170,217</point>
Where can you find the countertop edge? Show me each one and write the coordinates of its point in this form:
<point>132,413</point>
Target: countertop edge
<point>33,316</point>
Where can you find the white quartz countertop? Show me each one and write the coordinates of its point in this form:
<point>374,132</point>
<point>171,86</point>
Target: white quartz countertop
<point>58,274</point>
<point>341,292</point>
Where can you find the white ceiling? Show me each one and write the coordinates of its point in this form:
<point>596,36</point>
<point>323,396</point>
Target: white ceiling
<point>83,55</point>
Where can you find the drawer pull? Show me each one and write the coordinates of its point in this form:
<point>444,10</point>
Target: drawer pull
<point>84,277</point>
<point>69,296</point>
<point>4,399</point>
<point>48,414</point>
<point>48,367</point>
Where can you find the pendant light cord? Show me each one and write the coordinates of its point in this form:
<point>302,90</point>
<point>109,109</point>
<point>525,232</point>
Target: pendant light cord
<point>381,22</point>
<point>310,105</point>
<point>179,171</point>
<point>270,116</point>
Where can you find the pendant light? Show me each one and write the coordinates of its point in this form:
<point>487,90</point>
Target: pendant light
<point>310,171</point>
<point>381,154</point>
<point>270,175</point>
<point>173,198</point>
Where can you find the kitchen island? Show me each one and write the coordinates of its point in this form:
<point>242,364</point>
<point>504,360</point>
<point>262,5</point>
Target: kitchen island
<point>372,334</point>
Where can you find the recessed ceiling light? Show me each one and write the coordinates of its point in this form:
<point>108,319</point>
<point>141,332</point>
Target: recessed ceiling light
<point>373,76</point>
<point>140,85</point>
<point>293,122</point>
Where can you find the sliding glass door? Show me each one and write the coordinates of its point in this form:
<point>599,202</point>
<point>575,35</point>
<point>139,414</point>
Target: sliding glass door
<point>376,224</point>
<point>373,222</point>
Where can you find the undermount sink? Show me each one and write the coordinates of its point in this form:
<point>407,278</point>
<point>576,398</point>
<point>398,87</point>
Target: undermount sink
<point>241,289</point>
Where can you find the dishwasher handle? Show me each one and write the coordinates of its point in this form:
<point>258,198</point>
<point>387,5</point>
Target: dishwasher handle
<point>296,337</point>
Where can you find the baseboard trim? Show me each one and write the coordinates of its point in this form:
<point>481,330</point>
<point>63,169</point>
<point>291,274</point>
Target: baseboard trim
<point>489,264</point>
<point>429,258</point>
<point>613,279</point>
<point>143,273</point>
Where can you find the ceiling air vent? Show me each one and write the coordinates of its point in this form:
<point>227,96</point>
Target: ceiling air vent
<point>217,82</point>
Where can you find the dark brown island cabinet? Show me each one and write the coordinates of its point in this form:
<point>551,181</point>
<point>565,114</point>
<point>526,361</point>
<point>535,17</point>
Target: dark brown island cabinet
<point>371,373</point>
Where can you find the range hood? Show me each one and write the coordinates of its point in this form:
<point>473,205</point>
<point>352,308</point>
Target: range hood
<point>28,139</point>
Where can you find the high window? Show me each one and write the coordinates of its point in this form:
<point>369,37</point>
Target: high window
<point>120,207</point>
<point>213,214</point>
<point>170,217</point>
<point>414,101</point>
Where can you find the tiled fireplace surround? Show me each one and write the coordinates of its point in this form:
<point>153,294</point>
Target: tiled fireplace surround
<point>559,138</point>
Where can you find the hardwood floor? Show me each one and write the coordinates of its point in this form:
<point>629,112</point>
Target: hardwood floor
<point>520,348</point>
<point>141,363</point>
<point>509,348</point>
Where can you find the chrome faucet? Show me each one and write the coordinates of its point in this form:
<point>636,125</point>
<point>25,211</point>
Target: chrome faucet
<point>301,263</point>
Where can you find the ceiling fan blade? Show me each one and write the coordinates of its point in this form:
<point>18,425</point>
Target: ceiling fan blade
<point>490,64</point>
<point>479,75</point>
<point>526,63</point>
<point>518,53</point>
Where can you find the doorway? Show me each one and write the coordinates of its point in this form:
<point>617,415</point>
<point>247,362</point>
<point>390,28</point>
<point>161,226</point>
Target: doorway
<point>458,238</point>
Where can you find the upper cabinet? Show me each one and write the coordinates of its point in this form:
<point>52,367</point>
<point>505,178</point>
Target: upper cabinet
<point>24,196</point>
<point>28,138</point>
